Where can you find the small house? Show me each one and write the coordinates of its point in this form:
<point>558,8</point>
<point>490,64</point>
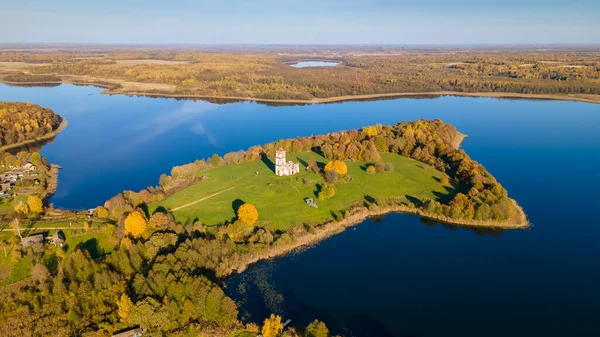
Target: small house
<point>137,332</point>
<point>29,167</point>
<point>58,239</point>
<point>33,240</point>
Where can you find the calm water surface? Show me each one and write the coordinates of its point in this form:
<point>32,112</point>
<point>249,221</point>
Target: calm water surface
<point>306,64</point>
<point>392,277</point>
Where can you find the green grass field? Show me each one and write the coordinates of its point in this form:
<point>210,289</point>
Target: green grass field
<point>18,272</point>
<point>280,200</point>
<point>95,243</point>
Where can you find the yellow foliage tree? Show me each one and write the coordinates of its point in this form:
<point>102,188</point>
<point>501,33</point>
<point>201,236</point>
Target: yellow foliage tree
<point>247,213</point>
<point>21,208</point>
<point>35,204</point>
<point>102,212</point>
<point>337,166</point>
<point>124,305</point>
<point>272,326</point>
<point>370,131</point>
<point>135,224</point>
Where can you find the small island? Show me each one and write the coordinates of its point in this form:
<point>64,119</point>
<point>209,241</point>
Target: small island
<point>155,260</point>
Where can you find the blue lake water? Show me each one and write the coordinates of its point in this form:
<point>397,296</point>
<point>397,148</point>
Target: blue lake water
<point>306,64</point>
<point>393,277</point>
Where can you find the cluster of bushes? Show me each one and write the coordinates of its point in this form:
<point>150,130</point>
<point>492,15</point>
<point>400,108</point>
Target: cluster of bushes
<point>25,121</point>
<point>379,167</point>
<point>30,78</point>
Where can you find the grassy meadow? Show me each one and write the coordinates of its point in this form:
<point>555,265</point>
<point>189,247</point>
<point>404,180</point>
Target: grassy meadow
<point>280,200</point>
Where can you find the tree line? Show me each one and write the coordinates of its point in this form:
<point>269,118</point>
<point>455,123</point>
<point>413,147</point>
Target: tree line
<point>270,77</point>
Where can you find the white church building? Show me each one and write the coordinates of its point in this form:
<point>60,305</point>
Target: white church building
<point>283,168</point>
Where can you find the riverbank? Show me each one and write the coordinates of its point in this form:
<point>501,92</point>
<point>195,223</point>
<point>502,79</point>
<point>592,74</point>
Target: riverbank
<point>45,137</point>
<point>166,91</point>
<point>579,98</point>
<point>357,216</point>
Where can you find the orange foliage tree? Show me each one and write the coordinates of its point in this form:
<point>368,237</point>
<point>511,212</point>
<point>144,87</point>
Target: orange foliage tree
<point>337,166</point>
<point>135,224</point>
<point>247,213</point>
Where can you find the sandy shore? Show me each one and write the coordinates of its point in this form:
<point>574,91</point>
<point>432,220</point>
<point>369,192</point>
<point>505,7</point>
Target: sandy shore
<point>167,91</point>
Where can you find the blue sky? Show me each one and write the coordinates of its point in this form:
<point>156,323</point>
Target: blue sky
<point>301,22</point>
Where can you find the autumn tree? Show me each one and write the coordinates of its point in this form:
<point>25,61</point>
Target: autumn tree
<point>21,208</point>
<point>239,230</point>
<point>124,305</point>
<point>159,220</point>
<point>102,212</point>
<point>327,191</point>
<point>369,131</point>
<point>16,225</point>
<point>135,224</point>
<point>247,213</point>
<point>316,329</point>
<point>35,205</point>
<point>272,326</point>
<point>337,166</point>
<point>331,177</point>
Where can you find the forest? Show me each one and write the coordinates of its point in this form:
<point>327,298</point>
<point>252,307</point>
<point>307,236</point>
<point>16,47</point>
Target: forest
<point>269,76</point>
<point>21,122</point>
<point>165,276</point>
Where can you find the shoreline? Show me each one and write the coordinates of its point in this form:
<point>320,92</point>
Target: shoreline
<point>336,99</point>
<point>63,124</point>
<point>331,228</point>
<point>103,83</point>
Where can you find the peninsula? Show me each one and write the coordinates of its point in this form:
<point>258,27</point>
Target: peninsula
<point>155,259</point>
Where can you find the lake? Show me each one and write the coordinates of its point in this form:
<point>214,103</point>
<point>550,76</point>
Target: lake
<point>306,64</point>
<point>395,276</point>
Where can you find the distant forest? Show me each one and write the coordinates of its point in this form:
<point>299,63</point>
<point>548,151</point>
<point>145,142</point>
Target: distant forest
<point>269,76</point>
<point>25,121</point>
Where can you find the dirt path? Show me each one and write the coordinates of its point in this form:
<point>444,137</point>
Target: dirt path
<point>202,199</point>
<point>35,228</point>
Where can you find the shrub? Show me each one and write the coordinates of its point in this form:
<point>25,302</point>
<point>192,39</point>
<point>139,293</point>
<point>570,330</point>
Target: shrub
<point>388,167</point>
<point>371,169</point>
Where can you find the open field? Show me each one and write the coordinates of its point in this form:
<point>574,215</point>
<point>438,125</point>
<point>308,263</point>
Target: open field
<point>266,75</point>
<point>280,200</point>
<point>148,61</point>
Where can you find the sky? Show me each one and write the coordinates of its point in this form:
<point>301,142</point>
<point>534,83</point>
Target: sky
<point>403,22</point>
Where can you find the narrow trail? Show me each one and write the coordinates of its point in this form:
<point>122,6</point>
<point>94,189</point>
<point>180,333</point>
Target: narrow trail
<point>202,199</point>
<point>35,228</point>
